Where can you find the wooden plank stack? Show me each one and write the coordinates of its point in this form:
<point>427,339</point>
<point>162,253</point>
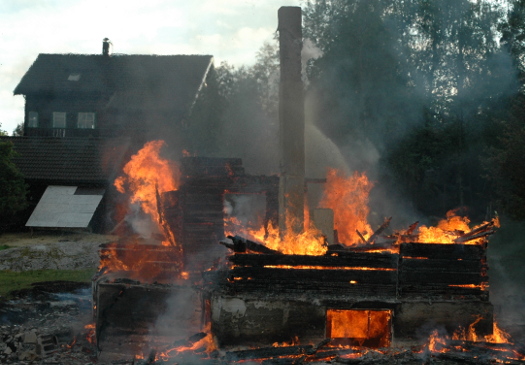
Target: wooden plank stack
<point>349,273</point>
<point>444,271</point>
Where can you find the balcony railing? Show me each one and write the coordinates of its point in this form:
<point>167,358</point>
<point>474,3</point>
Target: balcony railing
<point>66,132</point>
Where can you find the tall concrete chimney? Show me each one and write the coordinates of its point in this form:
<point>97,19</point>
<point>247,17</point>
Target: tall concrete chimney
<point>291,120</point>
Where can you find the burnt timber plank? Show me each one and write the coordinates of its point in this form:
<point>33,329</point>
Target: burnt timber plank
<point>440,265</point>
<point>443,292</point>
<point>445,278</point>
<point>299,275</point>
<point>443,251</point>
<point>315,288</point>
<point>357,260</point>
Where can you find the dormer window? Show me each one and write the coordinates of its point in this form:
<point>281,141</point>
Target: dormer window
<point>32,119</point>
<point>59,120</point>
<point>74,77</point>
<point>86,121</point>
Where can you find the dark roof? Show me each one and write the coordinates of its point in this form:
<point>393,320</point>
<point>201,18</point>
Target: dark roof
<point>69,160</point>
<point>132,81</point>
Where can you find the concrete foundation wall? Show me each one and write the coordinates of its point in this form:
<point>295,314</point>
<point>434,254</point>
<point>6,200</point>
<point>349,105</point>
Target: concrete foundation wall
<point>414,321</point>
<point>238,320</point>
<point>244,321</point>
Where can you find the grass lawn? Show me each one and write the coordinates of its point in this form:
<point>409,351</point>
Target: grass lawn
<point>10,280</point>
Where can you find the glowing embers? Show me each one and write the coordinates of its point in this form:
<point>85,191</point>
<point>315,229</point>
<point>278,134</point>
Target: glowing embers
<point>363,327</point>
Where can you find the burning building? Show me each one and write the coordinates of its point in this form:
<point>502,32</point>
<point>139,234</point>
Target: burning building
<point>289,277</point>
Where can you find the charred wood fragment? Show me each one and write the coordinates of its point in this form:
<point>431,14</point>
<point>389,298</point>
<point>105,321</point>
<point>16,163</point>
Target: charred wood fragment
<point>442,266</point>
<point>380,230</point>
<point>347,259</point>
<point>241,245</point>
<point>482,231</point>
<point>267,352</point>
<point>442,251</point>
<point>308,275</point>
<point>360,236</point>
<point>412,228</point>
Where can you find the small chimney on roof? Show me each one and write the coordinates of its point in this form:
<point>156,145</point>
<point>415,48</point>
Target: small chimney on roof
<point>105,46</point>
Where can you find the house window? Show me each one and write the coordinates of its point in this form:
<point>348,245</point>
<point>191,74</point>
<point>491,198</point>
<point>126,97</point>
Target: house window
<point>32,119</point>
<point>59,120</point>
<point>86,120</point>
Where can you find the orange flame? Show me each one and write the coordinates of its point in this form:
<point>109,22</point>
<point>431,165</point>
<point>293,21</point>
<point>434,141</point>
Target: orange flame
<point>90,336</point>
<point>206,344</point>
<point>498,336</point>
<point>146,175</point>
<point>309,242</point>
<point>436,343</point>
<point>348,198</point>
<point>446,231</point>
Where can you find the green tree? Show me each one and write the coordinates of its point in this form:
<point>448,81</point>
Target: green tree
<point>19,130</point>
<point>506,163</point>
<point>249,127</point>
<point>13,189</point>
<point>395,72</point>
<point>361,82</point>
<point>2,132</point>
<point>506,159</point>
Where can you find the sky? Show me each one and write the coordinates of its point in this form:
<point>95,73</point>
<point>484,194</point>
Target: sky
<point>230,30</point>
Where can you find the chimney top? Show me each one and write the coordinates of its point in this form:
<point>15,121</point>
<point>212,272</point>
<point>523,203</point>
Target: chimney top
<point>105,46</point>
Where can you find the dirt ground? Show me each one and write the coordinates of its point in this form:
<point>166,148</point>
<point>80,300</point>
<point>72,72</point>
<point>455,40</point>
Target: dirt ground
<point>44,237</point>
<point>51,250</point>
<point>46,324</point>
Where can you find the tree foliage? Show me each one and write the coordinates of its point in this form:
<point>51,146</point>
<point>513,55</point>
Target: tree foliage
<point>13,189</point>
<point>2,132</point>
<point>425,81</point>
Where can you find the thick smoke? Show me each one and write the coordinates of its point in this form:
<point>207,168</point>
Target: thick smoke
<point>506,254</point>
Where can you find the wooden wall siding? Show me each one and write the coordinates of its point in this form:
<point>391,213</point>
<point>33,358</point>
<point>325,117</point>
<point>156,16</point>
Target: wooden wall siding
<point>420,271</point>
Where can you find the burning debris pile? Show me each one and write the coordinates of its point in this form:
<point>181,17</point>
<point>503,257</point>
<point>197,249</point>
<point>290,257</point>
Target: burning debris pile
<point>46,324</point>
<point>171,303</point>
<point>301,285</point>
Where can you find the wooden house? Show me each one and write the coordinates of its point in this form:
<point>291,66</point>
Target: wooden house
<point>101,96</point>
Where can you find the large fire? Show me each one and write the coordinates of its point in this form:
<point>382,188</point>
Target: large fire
<point>451,229</point>
<point>348,198</point>
<point>309,242</point>
<point>145,178</point>
<point>466,340</point>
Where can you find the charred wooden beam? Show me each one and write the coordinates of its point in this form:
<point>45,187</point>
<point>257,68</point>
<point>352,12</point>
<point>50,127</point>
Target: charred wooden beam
<point>482,231</point>
<point>315,289</point>
<point>442,265</point>
<point>241,245</point>
<point>443,251</point>
<point>311,275</point>
<point>444,278</point>
<point>267,352</point>
<point>412,228</point>
<point>358,259</point>
<point>380,230</point>
<point>360,236</point>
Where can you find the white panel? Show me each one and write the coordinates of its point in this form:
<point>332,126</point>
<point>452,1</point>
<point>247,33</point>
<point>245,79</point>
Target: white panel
<point>59,207</point>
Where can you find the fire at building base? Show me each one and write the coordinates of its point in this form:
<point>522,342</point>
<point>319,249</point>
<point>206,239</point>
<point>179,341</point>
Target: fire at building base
<point>301,292</point>
<point>159,301</point>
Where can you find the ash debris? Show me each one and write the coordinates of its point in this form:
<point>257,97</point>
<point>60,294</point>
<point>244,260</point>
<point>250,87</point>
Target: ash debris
<point>46,325</point>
